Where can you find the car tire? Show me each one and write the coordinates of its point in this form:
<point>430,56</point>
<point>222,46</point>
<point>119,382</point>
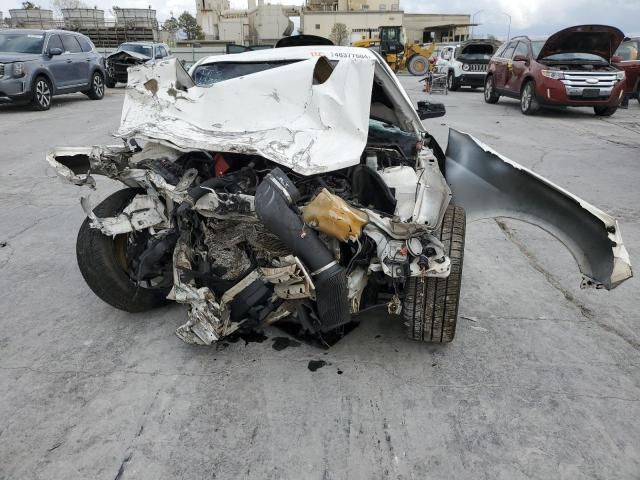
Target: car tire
<point>42,94</point>
<point>110,82</point>
<point>430,306</point>
<point>97,86</point>
<point>604,111</point>
<point>102,261</point>
<point>453,84</point>
<point>418,65</point>
<point>528,101</point>
<point>490,94</point>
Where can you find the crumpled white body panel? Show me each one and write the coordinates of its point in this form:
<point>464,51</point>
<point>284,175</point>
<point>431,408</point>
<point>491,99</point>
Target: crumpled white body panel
<point>308,128</point>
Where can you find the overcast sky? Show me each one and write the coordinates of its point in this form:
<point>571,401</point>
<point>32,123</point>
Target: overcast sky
<point>535,17</point>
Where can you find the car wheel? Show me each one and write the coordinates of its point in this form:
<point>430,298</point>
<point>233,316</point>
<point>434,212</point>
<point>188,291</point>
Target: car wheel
<point>528,101</point>
<point>110,82</point>
<point>104,265</point>
<point>97,87</point>
<point>452,83</point>
<point>490,94</point>
<point>42,94</point>
<point>418,65</point>
<point>431,304</point>
<point>604,111</point>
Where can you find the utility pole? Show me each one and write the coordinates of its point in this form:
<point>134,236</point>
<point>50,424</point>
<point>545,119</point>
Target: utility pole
<point>509,27</point>
<point>473,20</point>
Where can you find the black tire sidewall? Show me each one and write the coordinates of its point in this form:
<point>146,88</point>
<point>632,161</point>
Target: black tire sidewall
<point>605,111</point>
<point>92,94</point>
<point>411,69</point>
<point>35,105</point>
<point>533,103</point>
<point>100,268</point>
<point>494,97</point>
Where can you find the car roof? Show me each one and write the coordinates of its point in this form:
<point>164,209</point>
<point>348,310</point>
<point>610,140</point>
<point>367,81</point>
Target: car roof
<point>142,42</point>
<point>295,53</point>
<point>531,38</point>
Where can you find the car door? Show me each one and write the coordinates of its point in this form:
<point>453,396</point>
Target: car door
<point>629,60</point>
<point>89,54</point>
<point>57,64</point>
<point>503,62</point>
<point>76,59</point>
<point>517,68</point>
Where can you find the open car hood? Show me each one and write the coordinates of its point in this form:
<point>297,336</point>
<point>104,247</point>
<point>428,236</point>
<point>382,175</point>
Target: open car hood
<point>601,40</point>
<point>477,46</point>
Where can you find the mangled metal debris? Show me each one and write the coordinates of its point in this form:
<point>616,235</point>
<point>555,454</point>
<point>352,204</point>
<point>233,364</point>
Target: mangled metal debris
<point>302,186</point>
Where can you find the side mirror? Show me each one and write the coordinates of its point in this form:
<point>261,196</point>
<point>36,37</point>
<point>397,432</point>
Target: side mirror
<point>430,110</point>
<point>159,56</point>
<point>520,58</point>
<point>616,59</point>
<point>55,51</point>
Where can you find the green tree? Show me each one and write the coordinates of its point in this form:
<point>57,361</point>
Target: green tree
<point>58,5</point>
<point>171,27</point>
<point>189,25</point>
<point>339,34</point>
<point>30,6</point>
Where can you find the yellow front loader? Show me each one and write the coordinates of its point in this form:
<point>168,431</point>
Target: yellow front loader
<point>398,55</point>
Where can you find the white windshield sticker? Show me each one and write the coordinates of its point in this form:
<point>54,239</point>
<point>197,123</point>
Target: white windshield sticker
<point>34,36</point>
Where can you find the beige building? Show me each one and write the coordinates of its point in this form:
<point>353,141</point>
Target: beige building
<point>269,23</point>
<point>261,24</point>
<point>363,17</point>
<point>427,27</point>
<point>360,24</point>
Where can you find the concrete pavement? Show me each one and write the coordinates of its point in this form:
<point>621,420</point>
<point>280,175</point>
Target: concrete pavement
<point>542,380</point>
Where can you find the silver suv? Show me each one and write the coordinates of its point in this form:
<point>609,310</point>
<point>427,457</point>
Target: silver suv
<point>38,64</point>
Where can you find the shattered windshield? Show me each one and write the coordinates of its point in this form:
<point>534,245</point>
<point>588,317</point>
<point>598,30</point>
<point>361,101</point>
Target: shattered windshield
<point>137,48</point>
<point>207,75</point>
<point>21,43</point>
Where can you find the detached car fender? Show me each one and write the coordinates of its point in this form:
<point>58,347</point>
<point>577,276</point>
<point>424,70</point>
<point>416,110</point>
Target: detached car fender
<point>488,185</point>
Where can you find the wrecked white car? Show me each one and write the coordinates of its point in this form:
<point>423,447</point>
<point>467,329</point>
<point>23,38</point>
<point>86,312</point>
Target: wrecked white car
<point>299,184</point>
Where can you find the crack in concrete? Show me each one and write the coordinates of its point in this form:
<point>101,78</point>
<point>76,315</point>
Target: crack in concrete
<point>585,311</point>
<point>123,465</point>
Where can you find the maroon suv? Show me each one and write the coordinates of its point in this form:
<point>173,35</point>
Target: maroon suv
<point>627,58</point>
<point>570,68</point>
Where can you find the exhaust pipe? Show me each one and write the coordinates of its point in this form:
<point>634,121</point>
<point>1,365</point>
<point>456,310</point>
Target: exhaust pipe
<point>275,202</point>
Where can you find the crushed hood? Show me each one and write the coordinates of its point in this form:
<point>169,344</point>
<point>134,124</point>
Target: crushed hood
<point>127,54</point>
<point>281,114</point>
<point>599,40</point>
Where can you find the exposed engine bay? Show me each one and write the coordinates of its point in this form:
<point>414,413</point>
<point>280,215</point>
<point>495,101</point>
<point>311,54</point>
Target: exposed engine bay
<point>245,244</point>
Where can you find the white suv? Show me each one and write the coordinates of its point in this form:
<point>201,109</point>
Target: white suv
<point>466,64</point>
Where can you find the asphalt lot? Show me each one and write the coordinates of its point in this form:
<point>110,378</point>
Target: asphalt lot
<point>541,382</point>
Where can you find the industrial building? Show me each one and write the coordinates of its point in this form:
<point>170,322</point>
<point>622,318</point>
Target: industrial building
<point>260,24</point>
<point>128,25</point>
<point>363,17</point>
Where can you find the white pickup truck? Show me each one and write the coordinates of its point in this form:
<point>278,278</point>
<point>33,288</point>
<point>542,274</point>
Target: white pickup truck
<point>466,64</point>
